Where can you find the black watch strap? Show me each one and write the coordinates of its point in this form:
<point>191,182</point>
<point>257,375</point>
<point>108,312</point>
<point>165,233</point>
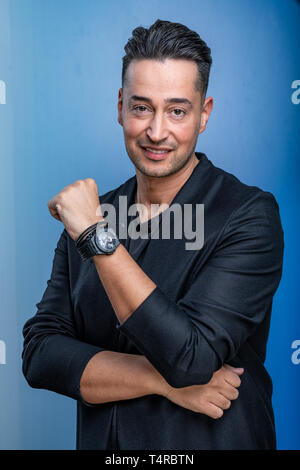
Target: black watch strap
<point>89,246</point>
<point>89,230</point>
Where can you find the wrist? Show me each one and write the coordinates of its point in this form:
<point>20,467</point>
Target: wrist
<point>156,384</point>
<point>88,228</point>
<point>97,239</point>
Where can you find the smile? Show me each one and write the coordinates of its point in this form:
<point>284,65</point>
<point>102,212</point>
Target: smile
<point>156,154</point>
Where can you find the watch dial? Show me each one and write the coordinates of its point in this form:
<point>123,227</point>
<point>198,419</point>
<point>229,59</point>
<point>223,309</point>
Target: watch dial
<point>106,240</point>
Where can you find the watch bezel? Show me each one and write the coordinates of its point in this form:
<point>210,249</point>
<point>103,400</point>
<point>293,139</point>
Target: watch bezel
<point>107,231</point>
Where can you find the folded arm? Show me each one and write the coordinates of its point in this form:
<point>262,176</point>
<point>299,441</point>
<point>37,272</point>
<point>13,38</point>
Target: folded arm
<point>112,376</point>
<point>54,358</point>
<point>188,340</point>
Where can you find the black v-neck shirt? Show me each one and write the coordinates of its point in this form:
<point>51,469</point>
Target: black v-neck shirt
<point>211,306</point>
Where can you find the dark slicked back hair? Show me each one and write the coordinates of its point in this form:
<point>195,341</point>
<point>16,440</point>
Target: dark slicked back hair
<point>167,40</point>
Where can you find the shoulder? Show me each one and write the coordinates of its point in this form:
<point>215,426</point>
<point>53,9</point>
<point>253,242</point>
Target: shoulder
<point>234,198</point>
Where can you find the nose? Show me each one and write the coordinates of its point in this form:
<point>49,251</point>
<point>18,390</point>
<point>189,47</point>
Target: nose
<point>157,130</point>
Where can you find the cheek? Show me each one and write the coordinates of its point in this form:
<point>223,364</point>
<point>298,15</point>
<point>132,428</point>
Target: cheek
<point>186,133</point>
<point>133,127</point>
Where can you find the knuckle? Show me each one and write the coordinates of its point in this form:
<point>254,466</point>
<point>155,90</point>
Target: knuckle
<point>224,404</point>
<point>218,382</point>
<point>200,406</point>
<point>233,378</point>
<point>60,197</point>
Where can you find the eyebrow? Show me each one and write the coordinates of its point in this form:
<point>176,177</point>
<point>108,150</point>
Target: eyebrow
<point>167,100</point>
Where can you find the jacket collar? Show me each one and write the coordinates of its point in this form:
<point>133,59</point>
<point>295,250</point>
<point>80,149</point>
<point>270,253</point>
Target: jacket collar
<point>193,191</point>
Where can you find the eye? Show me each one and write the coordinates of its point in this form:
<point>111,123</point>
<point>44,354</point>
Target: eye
<point>140,109</point>
<point>178,113</point>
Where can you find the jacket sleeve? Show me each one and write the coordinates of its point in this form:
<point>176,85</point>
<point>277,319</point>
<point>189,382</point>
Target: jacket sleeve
<point>53,356</point>
<point>188,340</point>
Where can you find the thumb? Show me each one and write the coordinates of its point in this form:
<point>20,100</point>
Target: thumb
<point>236,370</point>
<point>54,209</point>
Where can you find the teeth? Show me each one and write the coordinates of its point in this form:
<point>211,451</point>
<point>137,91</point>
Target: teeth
<point>156,151</point>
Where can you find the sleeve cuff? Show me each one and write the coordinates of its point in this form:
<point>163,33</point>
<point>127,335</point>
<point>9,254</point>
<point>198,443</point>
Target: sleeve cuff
<point>60,364</point>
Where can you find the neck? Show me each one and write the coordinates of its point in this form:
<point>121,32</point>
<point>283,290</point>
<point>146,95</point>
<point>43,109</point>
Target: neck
<point>151,190</point>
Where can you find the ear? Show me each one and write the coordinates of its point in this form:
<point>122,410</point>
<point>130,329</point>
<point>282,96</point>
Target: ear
<point>205,113</point>
<point>120,105</point>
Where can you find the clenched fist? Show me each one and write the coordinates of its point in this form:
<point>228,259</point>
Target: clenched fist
<point>212,398</point>
<point>77,206</point>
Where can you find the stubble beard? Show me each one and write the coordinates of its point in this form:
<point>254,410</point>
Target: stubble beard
<point>175,165</point>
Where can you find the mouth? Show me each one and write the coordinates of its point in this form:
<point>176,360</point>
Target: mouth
<point>156,153</point>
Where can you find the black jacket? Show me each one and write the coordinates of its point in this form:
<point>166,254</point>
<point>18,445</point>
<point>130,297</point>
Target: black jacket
<point>211,306</point>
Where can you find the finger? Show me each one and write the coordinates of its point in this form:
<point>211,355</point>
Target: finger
<point>55,215</point>
<point>232,378</point>
<point>92,184</point>
<point>90,181</point>
<point>214,411</point>
<point>236,370</point>
<point>54,208</point>
<point>220,401</point>
<point>229,392</point>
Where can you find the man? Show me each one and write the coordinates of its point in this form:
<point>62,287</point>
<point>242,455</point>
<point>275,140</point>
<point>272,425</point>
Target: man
<point>151,338</point>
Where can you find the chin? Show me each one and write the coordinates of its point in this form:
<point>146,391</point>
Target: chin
<point>158,169</point>
<point>145,170</point>
<point>155,169</point>
<point>155,173</point>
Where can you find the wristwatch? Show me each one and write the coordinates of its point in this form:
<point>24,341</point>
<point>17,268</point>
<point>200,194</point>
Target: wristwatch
<point>101,240</point>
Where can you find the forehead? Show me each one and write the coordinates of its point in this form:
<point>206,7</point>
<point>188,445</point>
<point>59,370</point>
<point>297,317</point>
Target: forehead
<point>175,76</point>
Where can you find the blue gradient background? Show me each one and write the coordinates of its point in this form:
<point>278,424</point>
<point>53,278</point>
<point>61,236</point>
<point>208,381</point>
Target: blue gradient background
<point>61,61</point>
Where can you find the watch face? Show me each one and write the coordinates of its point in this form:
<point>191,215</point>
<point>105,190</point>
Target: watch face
<point>106,240</point>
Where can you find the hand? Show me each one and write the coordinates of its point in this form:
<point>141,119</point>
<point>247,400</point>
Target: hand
<point>77,206</point>
<point>212,398</point>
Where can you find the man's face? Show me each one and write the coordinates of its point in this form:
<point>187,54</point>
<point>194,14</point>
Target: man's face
<point>160,111</point>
